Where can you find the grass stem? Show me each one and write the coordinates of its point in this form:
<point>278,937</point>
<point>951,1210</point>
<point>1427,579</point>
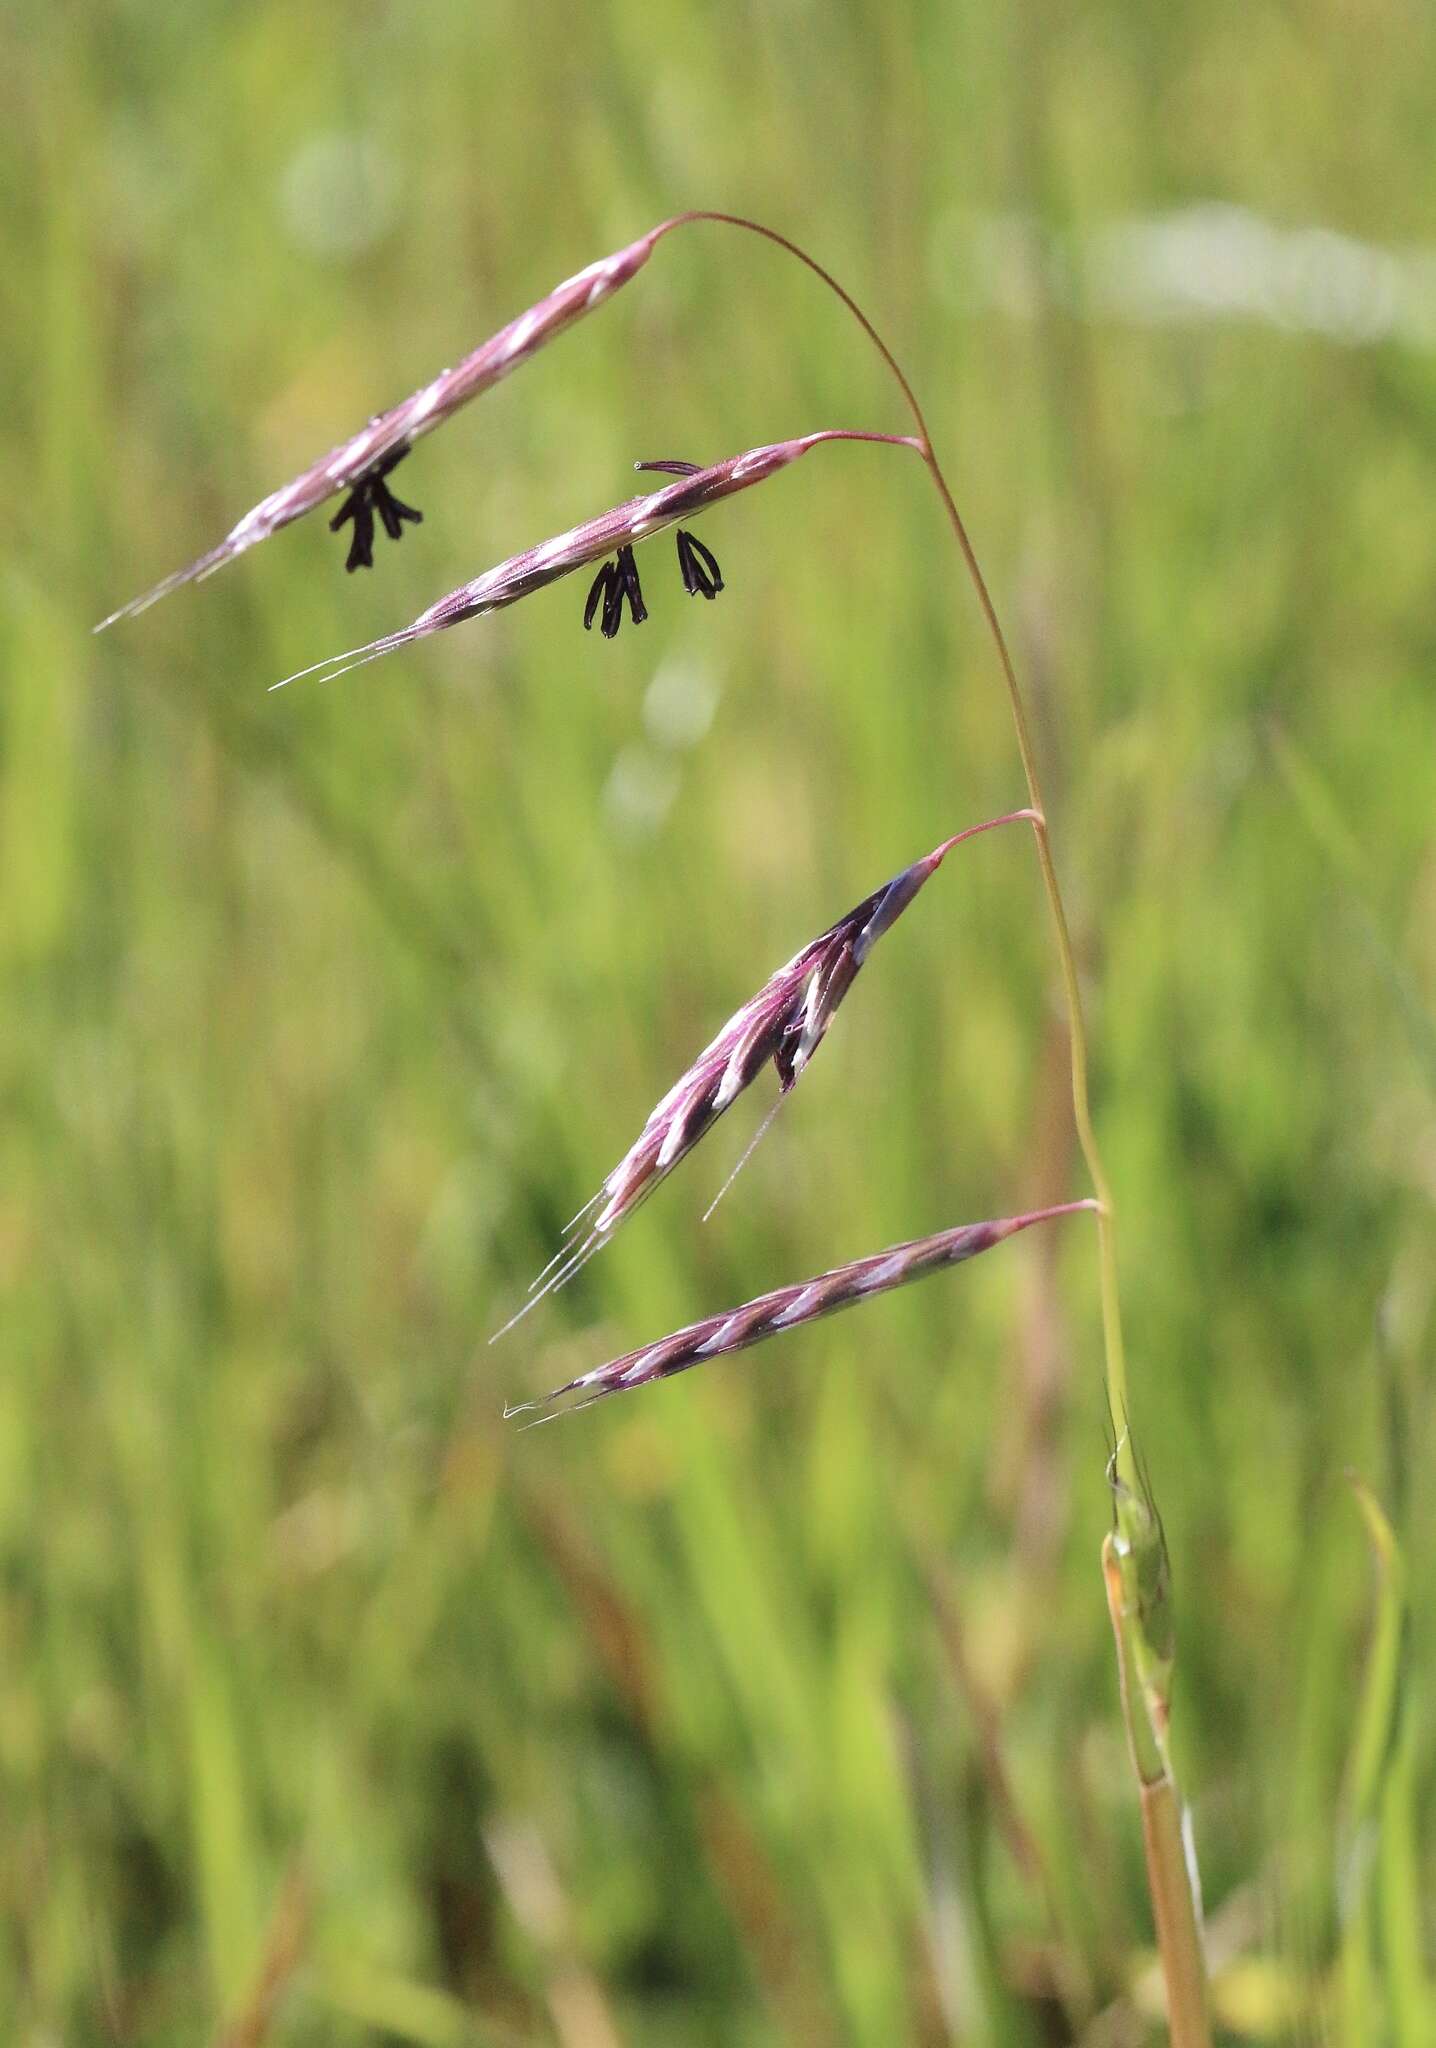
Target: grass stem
<point>1170,1880</point>
<point>1169,1874</point>
<point>1115,1350</point>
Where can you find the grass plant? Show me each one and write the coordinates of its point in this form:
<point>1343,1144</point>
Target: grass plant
<point>334,1712</point>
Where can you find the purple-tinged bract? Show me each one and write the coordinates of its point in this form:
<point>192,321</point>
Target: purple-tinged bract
<point>612,531</point>
<point>784,1023</point>
<point>391,434</point>
<point>788,1307</point>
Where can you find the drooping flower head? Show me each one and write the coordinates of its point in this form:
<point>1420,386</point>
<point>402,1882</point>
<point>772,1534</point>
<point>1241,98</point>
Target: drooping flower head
<point>635,520</point>
<point>360,463</point>
<point>786,1308</point>
<point>783,1024</point>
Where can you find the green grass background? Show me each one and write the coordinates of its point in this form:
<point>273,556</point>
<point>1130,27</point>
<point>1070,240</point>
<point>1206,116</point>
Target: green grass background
<point>777,1705</point>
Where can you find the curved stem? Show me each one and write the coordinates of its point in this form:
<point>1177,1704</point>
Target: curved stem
<point>1170,1881</point>
<point>1113,1345</point>
<point>1028,817</point>
<point>861,434</point>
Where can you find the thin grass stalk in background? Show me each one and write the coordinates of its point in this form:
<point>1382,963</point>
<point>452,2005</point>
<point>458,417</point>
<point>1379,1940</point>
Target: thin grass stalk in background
<point>1361,1978</point>
<point>282,1958</point>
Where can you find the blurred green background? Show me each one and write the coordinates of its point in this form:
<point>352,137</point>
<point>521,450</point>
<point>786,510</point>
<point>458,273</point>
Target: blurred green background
<point>777,1705</point>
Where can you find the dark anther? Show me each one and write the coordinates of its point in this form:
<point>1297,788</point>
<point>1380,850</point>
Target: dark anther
<point>699,566</point>
<point>615,581</point>
<point>370,495</point>
<point>785,1054</point>
<point>671,466</point>
<point>599,588</point>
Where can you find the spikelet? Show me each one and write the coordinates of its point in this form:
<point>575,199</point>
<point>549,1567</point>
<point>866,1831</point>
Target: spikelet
<point>786,1308</point>
<point>360,463</point>
<point>634,520</point>
<point>784,1023</point>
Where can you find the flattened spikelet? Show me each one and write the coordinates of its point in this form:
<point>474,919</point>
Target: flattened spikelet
<point>786,1308</point>
<point>610,533</point>
<point>388,435</point>
<point>784,1023</point>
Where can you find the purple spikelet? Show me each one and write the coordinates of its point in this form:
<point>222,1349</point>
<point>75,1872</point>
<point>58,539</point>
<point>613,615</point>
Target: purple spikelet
<point>786,1308</point>
<point>366,456</point>
<point>784,1023</point>
<point>609,534</point>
